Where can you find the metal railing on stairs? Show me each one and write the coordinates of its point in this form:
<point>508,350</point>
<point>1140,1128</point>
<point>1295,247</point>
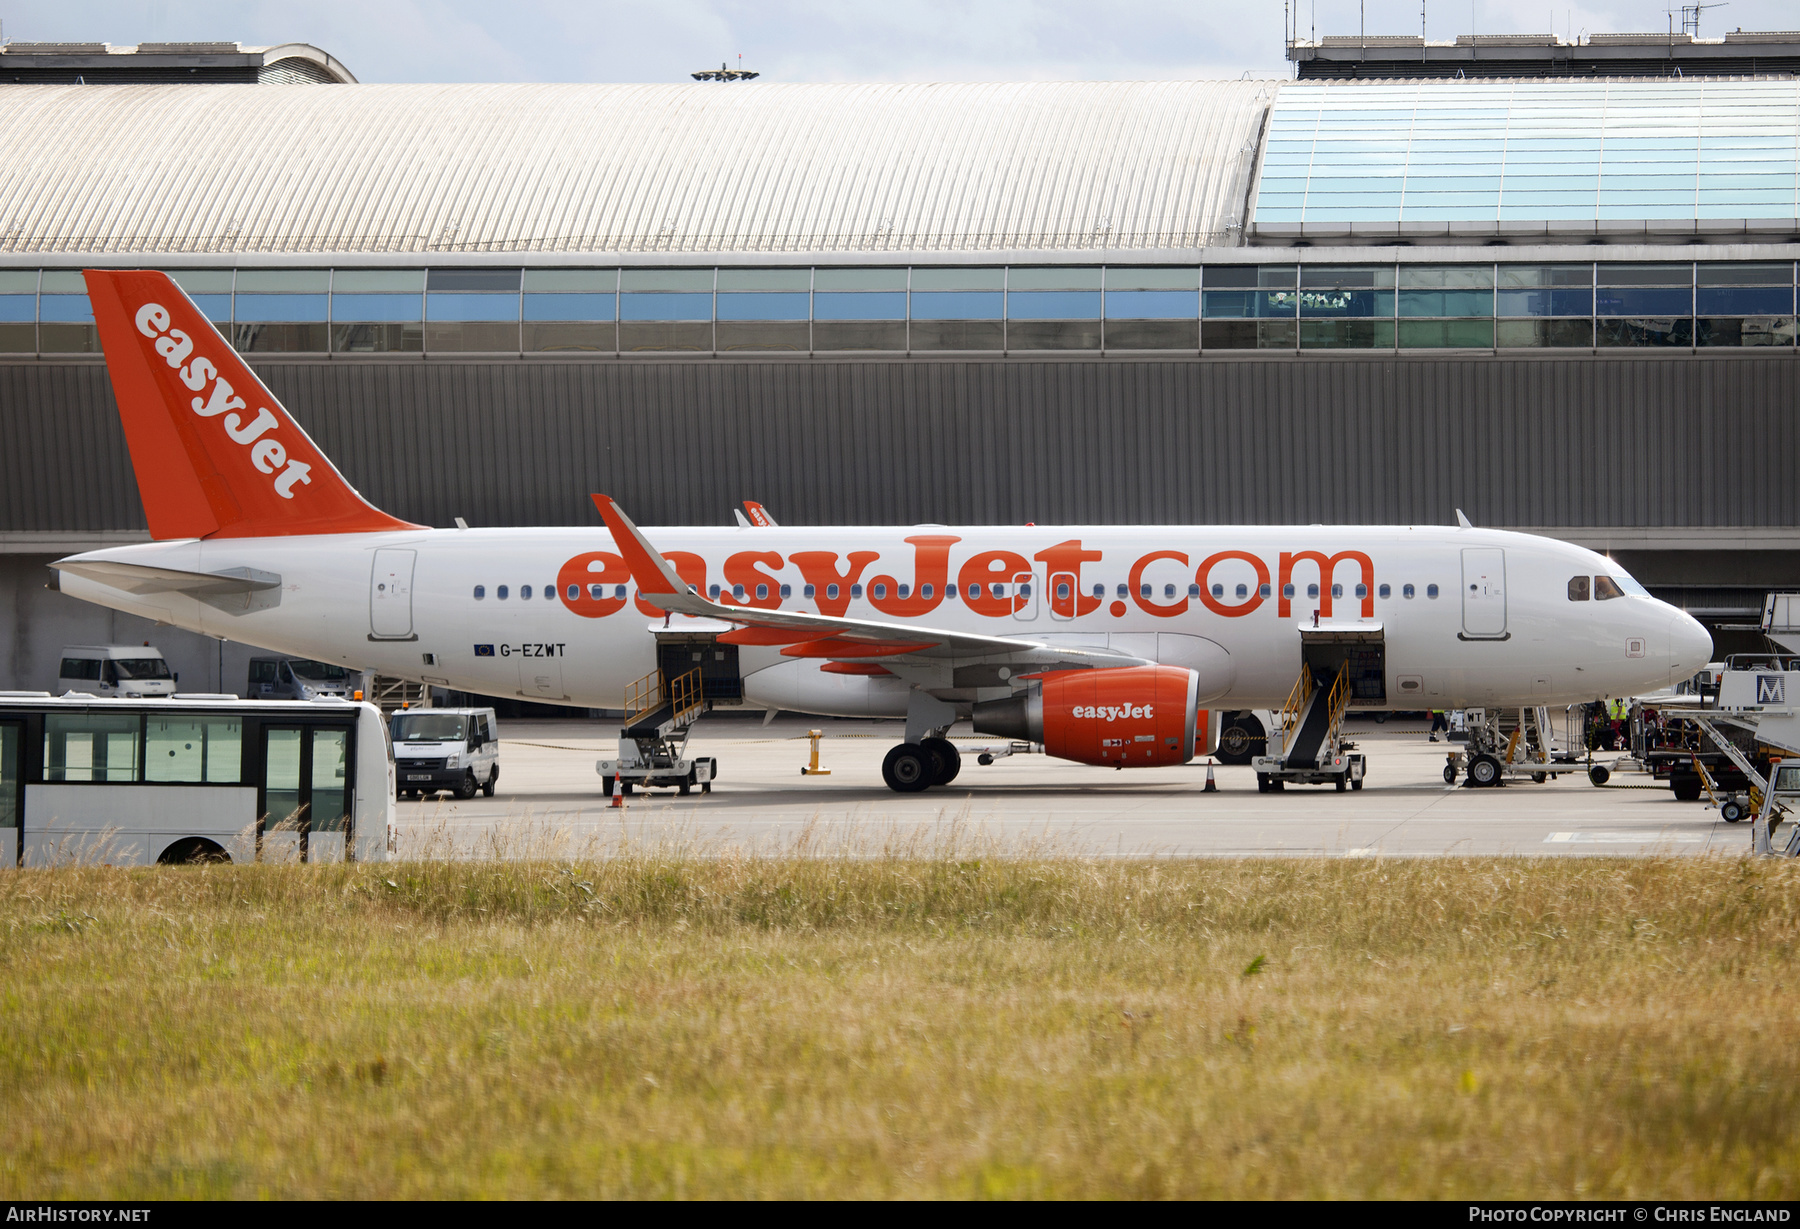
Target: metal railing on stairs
<point>654,690</point>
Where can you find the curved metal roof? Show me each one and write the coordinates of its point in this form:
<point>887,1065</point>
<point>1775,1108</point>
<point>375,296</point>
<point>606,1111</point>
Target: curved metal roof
<point>761,168</point>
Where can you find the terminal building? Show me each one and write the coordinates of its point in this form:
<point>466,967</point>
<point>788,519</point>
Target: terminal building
<point>1563,303</point>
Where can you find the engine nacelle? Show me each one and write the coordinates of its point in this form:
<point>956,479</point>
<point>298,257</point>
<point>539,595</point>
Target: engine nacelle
<point>1132,717</point>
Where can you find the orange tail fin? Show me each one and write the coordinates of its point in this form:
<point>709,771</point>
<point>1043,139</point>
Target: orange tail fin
<point>216,455</point>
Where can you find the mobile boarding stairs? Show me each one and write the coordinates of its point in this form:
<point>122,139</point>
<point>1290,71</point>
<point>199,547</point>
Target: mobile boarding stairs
<point>660,712</point>
<point>1310,729</point>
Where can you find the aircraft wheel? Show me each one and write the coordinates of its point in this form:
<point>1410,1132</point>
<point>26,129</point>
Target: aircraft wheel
<point>1484,771</point>
<point>1241,739</point>
<point>1449,774</point>
<point>1732,811</point>
<point>1598,774</point>
<point>909,769</point>
<point>949,759</point>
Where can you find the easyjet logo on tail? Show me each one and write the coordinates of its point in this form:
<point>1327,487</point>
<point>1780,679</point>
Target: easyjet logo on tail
<point>268,454</point>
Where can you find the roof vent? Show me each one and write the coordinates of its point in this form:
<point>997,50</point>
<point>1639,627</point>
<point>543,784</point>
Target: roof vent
<point>198,48</point>
<point>55,48</point>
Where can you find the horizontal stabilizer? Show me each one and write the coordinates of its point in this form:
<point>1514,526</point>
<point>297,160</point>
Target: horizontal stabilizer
<point>234,590</point>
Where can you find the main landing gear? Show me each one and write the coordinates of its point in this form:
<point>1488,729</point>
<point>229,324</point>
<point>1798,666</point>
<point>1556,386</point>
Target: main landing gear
<point>911,768</point>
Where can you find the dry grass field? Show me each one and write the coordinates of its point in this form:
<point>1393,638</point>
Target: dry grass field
<point>660,1024</point>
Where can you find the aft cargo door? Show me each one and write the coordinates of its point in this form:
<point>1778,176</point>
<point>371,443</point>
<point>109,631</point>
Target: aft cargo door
<point>1484,592</point>
<point>390,595</point>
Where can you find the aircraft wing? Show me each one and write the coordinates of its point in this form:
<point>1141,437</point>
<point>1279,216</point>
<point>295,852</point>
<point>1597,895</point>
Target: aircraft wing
<point>829,636</point>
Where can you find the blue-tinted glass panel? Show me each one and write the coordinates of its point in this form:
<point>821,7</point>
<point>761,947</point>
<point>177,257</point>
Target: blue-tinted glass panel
<point>870,305</point>
<point>275,308</point>
<point>1644,301</point>
<point>1446,303</point>
<point>65,309</point>
<point>956,304</point>
<point>763,306</point>
<point>1048,304</point>
<point>1152,304</point>
<point>1248,304</point>
<point>471,306</point>
<point>215,307</point>
<point>569,306</point>
<point>1346,302</point>
<point>18,308</point>
<point>1744,300</point>
<point>370,308</point>
<point>665,306</point>
<point>1547,302</point>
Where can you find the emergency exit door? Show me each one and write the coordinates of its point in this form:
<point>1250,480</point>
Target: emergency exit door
<point>1484,592</point>
<point>390,595</point>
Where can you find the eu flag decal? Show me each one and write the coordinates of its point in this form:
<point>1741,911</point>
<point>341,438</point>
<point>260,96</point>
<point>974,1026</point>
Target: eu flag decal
<point>484,650</point>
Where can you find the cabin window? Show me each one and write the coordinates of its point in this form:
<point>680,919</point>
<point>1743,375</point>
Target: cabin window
<point>714,591</point>
<point>925,591</point>
<point>1578,589</point>
<point>574,592</point>
<point>998,589</point>
<point>1265,590</point>
<point>878,591</point>
<point>787,591</point>
<point>1406,591</point>
<point>1124,592</point>
<point>1431,591</point>
<point>1386,591</point>
<point>1338,591</point>
<point>619,591</point>
<point>1606,588</point>
<point>809,591</point>
<point>737,591</point>
<point>1287,591</point>
<point>1144,591</point>
<point>1312,591</point>
<point>1218,590</point>
<point>1062,590</point>
<point>855,590</point>
<point>1099,590</point>
<point>1025,589</point>
<point>524,592</point>
<point>902,591</point>
<point>1362,591</point>
<point>500,593</point>
<point>480,592</point>
<point>762,593</point>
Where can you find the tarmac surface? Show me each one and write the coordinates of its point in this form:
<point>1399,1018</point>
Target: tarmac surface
<point>550,802</point>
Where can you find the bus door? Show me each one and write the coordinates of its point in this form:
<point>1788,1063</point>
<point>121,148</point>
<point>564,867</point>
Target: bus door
<point>304,804</point>
<point>12,740</point>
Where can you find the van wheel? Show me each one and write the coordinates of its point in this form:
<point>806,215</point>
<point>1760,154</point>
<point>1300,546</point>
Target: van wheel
<point>493,776</point>
<point>466,787</point>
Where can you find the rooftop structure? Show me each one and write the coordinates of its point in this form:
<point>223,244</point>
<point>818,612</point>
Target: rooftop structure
<point>1739,54</point>
<point>102,63</point>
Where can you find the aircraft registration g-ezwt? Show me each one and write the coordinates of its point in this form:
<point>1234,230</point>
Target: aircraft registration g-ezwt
<point>1107,645</point>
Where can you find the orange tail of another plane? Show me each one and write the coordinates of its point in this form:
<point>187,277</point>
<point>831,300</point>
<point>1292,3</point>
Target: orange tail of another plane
<point>215,453</point>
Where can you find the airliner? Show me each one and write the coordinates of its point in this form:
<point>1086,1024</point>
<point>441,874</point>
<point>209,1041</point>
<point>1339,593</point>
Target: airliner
<point>1109,645</point>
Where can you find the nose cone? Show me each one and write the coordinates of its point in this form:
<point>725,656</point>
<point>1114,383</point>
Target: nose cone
<point>1690,646</point>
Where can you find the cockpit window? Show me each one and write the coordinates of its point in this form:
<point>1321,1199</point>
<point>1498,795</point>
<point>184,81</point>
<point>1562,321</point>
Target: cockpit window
<point>1578,589</point>
<point>1606,588</point>
<point>1631,586</point>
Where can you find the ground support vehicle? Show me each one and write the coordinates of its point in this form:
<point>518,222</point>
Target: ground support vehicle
<point>125,671</point>
<point>300,678</point>
<point>445,749</point>
<point>660,712</point>
<point>1761,707</point>
<point>1509,744</point>
<point>192,778</point>
<point>1310,728</point>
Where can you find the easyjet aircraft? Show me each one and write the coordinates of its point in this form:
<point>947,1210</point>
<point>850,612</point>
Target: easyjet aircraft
<point>1107,644</point>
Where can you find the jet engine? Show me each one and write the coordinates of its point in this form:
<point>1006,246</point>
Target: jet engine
<point>1128,717</point>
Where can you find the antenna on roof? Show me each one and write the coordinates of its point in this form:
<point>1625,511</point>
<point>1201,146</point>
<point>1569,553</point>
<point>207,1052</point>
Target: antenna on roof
<point>726,73</point>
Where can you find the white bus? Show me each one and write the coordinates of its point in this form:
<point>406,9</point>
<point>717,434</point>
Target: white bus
<point>190,779</point>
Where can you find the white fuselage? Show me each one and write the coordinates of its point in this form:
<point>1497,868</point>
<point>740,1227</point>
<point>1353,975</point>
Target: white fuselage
<point>1501,629</point>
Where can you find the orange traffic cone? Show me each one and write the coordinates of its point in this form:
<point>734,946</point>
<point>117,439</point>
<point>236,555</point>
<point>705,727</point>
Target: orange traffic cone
<point>618,798</point>
<point>1212,786</point>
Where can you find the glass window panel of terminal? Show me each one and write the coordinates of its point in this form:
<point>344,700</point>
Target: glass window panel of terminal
<point>1744,305</point>
<point>1644,306</point>
<point>18,311</point>
<point>210,289</point>
<point>569,311</point>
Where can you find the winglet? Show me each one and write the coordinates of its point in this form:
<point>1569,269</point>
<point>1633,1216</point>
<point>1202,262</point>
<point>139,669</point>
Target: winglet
<point>1463,521</point>
<point>759,515</point>
<point>649,570</point>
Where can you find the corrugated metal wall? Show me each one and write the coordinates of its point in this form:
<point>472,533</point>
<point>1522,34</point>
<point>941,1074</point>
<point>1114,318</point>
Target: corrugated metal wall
<point>1652,441</point>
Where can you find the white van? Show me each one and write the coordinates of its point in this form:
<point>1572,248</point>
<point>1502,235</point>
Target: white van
<point>124,671</point>
<point>298,678</point>
<point>455,749</point>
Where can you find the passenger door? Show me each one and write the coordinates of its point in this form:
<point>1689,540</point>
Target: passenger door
<point>12,740</point>
<point>1484,592</point>
<point>390,595</point>
<point>303,808</point>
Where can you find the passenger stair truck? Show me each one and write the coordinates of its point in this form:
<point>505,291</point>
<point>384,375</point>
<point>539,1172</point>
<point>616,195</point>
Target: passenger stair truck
<point>1309,729</point>
<point>659,714</point>
<point>1766,705</point>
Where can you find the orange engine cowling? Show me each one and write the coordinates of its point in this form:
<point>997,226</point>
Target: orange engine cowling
<point>1132,717</point>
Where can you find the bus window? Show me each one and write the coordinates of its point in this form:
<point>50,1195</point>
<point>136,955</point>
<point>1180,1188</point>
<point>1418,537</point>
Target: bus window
<point>197,749</point>
<point>9,776</point>
<point>91,746</point>
<point>281,779</point>
<point>330,761</point>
